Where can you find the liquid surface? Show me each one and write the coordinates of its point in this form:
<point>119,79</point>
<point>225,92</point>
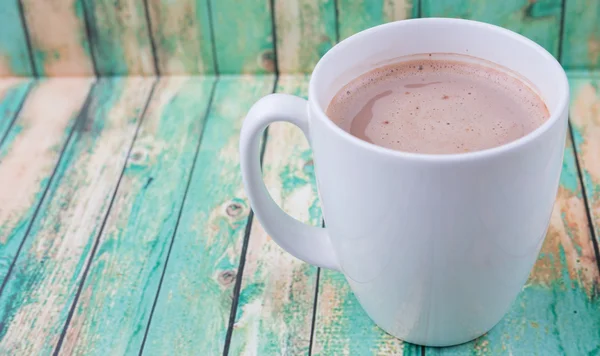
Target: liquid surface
<point>437,106</point>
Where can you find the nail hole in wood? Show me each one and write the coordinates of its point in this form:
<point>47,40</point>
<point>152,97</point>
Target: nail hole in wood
<point>234,209</point>
<point>227,277</point>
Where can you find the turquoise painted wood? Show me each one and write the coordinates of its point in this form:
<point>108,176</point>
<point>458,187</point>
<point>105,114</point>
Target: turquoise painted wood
<point>243,36</point>
<point>31,151</point>
<point>358,15</point>
<point>275,304</point>
<point>539,20</point>
<point>12,95</point>
<point>581,34</point>
<point>123,280</point>
<point>195,299</point>
<point>343,328</point>
<point>58,37</point>
<point>305,30</point>
<point>15,58</point>
<point>202,36</point>
<point>38,293</point>
<point>585,126</point>
<point>182,35</point>
<point>119,37</point>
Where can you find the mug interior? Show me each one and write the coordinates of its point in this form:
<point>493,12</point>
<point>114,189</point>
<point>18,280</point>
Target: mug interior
<point>387,43</point>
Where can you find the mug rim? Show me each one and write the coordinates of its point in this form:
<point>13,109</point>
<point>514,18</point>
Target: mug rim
<point>493,151</point>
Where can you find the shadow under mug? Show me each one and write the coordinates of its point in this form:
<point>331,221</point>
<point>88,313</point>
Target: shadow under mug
<point>435,247</point>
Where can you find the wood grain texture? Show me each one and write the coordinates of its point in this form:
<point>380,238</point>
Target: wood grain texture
<point>12,95</point>
<point>243,36</point>
<point>39,291</point>
<point>343,328</point>
<point>15,58</point>
<point>558,311</point>
<point>539,20</point>
<point>276,300</point>
<point>357,15</point>
<point>305,30</point>
<point>30,153</point>
<point>193,307</point>
<point>585,125</point>
<point>581,34</point>
<point>123,279</point>
<point>119,37</point>
<point>58,37</point>
<point>182,36</point>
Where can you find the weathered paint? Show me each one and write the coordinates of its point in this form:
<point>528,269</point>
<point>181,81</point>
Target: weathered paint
<point>276,300</point>
<point>243,36</point>
<point>58,37</point>
<point>12,95</point>
<point>357,15</point>
<point>119,37</point>
<point>182,35</point>
<point>14,55</point>
<point>305,32</point>
<point>539,20</point>
<point>39,291</point>
<point>194,303</point>
<point>123,278</point>
<point>343,328</point>
<point>581,34</point>
<point>30,153</point>
<point>585,125</point>
<point>558,311</point>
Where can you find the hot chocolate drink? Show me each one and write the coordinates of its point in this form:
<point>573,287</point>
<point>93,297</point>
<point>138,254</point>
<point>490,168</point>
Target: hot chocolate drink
<point>438,106</point>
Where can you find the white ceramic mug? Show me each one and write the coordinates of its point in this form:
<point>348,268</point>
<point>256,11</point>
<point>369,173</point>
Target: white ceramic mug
<point>435,247</point>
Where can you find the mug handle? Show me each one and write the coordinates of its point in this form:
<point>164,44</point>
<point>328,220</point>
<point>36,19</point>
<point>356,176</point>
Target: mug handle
<point>308,243</point>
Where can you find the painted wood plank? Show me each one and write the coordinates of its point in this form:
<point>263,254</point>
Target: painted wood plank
<point>343,328</point>
<point>39,291</point>
<point>194,303</point>
<point>558,311</point>
<point>539,20</point>
<point>182,36</point>
<point>357,15</point>
<point>275,309</point>
<point>58,37</point>
<point>12,94</point>
<point>585,125</point>
<point>305,30</point>
<point>581,39</point>
<point>119,37</point>
<point>243,36</point>
<point>30,153</point>
<point>15,58</point>
<point>123,279</point>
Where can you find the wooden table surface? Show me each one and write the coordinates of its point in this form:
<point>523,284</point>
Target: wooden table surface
<point>124,227</point>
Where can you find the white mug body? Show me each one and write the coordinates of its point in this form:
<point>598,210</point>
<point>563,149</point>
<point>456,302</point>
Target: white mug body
<point>435,247</point>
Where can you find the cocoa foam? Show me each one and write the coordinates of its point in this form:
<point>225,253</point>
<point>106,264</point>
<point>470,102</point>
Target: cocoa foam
<point>437,106</point>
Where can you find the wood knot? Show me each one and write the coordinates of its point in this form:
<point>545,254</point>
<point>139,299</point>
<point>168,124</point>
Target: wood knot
<point>234,209</point>
<point>267,60</point>
<point>227,277</point>
<point>137,157</point>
